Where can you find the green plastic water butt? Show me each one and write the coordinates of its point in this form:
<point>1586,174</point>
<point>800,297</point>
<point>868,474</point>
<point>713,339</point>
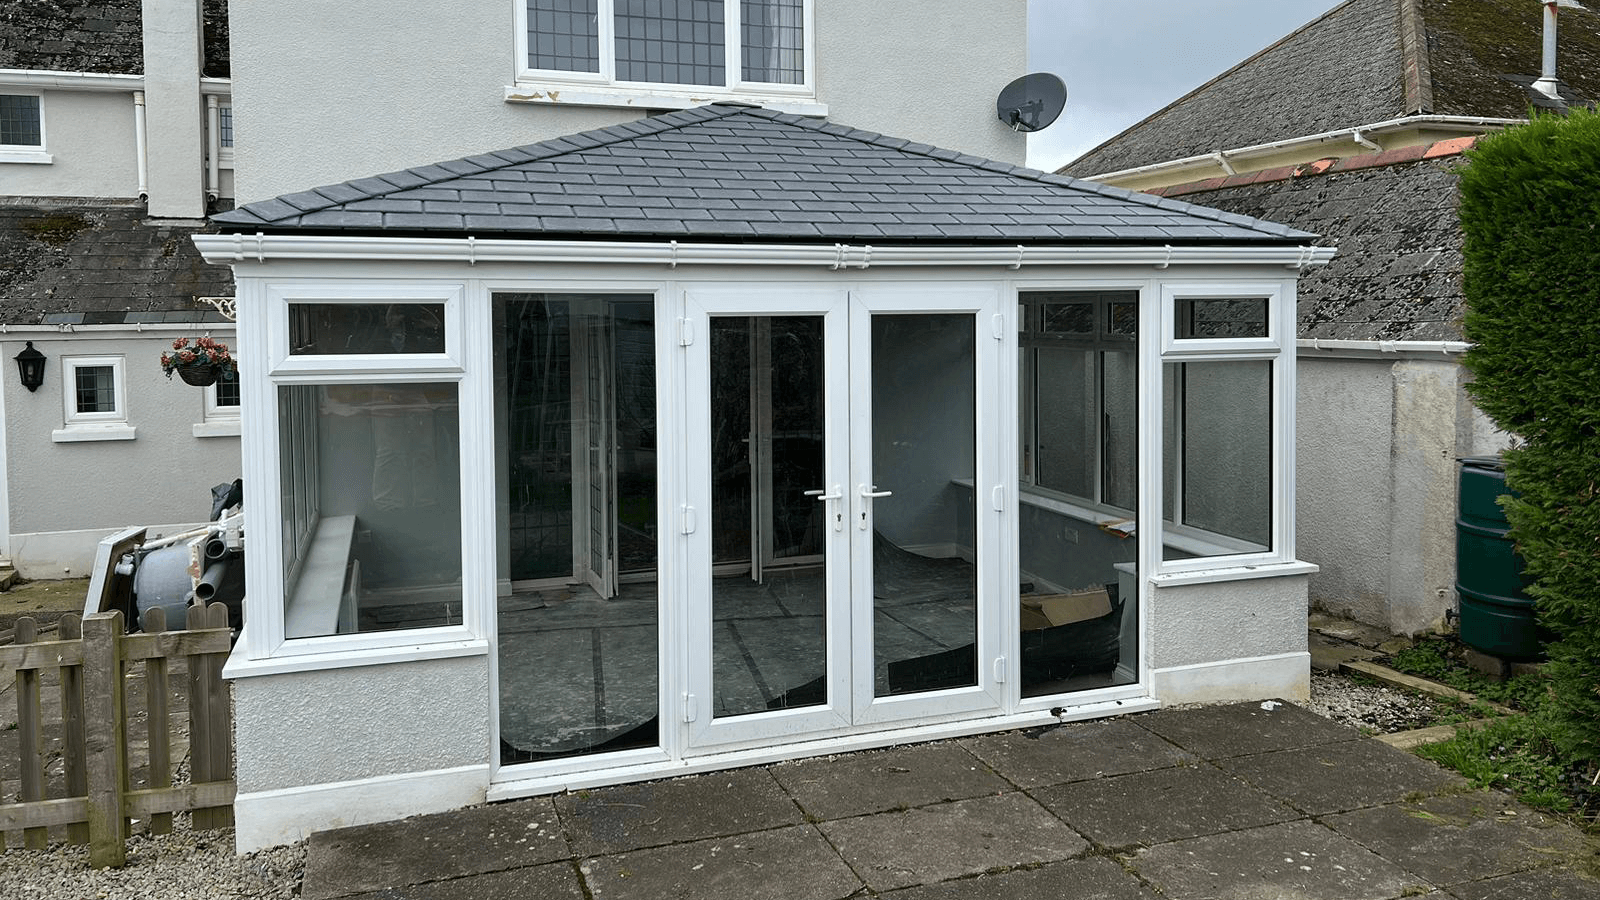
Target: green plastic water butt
<point>1497,615</point>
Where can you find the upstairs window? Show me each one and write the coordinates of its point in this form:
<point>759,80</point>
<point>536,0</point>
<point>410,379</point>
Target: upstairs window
<point>22,129</point>
<point>701,43</point>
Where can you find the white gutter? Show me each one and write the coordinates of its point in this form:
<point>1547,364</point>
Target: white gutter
<point>223,249</point>
<point>119,330</point>
<point>1319,347</point>
<point>216,87</point>
<point>141,145</point>
<point>1358,134</point>
<point>74,81</point>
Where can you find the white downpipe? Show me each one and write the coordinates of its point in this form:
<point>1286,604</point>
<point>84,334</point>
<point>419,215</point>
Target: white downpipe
<point>224,249</point>
<point>213,147</point>
<point>142,147</point>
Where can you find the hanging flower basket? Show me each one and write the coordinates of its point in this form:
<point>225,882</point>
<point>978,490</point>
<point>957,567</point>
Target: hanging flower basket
<point>199,376</point>
<point>199,363</point>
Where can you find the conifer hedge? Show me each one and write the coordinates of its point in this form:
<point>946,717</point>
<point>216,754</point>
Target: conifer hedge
<point>1530,213</point>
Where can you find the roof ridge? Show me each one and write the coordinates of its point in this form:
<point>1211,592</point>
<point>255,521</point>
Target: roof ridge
<point>1328,165</point>
<point>450,170</point>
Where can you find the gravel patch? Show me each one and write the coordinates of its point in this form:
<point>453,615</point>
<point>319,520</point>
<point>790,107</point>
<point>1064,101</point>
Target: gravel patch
<point>1376,709</point>
<point>184,865</point>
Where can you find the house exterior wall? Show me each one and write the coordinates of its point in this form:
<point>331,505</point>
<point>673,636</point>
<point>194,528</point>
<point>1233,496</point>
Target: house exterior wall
<point>90,135</point>
<point>1376,483</point>
<point>326,108</point>
<point>1228,640</point>
<point>63,496</point>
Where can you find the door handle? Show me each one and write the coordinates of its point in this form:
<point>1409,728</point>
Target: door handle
<point>832,498</point>
<point>868,493</point>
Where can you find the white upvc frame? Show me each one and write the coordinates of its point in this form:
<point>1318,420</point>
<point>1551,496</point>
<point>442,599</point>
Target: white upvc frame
<point>602,88</point>
<point>283,362</point>
<point>35,154</point>
<point>110,425</point>
<point>264,309</point>
<point>1280,297</point>
<point>217,419</point>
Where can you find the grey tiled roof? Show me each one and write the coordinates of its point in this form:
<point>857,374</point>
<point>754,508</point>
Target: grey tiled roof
<point>1363,62</point>
<point>83,262</point>
<point>733,172</point>
<point>1397,275</point>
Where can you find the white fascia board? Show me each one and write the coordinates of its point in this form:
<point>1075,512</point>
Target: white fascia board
<point>72,81</point>
<point>224,249</point>
<point>122,330</point>
<point>1315,348</point>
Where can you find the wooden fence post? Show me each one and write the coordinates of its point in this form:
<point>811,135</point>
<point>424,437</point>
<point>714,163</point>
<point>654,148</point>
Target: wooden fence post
<point>210,719</point>
<point>107,763</point>
<point>70,628</point>
<point>159,729</point>
<point>30,735</point>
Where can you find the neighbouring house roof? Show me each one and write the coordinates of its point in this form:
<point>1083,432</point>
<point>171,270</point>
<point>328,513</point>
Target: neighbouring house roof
<point>82,262</point>
<point>734,172</point>
<point>103,36</point>
<point>1392,216</point>
<point>1363,62</point>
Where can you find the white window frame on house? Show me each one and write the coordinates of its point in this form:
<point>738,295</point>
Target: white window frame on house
<point>603,88</point>
<point>266,646</point>
<point>219,419</point>
<point>27,153</point>
<point>103,425</point>
<point>1215,548</point>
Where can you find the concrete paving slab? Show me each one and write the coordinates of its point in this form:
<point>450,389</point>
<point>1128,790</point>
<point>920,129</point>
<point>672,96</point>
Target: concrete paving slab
<point>554,881</point>
<point>1074,752</point>
<point>473,841</point>
<point>834,787</point>
<point>794,863</point>
<point>949,840</point>
<point>1162,805</point>
<point>1294,859</point>
<point>633,816</point>
<point>1243,729</point>
<point>1461,837</point>
<point>1095,878</point>
<point>1338,777</point>
<point>1544,884</point>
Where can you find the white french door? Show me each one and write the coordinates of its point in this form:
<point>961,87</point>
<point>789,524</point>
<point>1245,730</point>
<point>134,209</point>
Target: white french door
<point>841,523</point>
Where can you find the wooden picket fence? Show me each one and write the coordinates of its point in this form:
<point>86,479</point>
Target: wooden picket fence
<point>96,802</point>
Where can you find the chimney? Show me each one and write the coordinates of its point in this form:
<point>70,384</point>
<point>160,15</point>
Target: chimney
<point>172,36</point>
<point>1548,84</point>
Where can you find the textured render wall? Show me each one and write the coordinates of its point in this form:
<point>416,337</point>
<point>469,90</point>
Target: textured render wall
<point>1195,624</point>
<point>1377,481</point>
<point>336,725</point>
<point>91,137</point>
<point>162,476</point>
<point>329,92</point>
<point>174,109</point>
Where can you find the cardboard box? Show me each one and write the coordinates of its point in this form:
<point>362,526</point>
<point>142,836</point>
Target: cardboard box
<point>1046,610</point>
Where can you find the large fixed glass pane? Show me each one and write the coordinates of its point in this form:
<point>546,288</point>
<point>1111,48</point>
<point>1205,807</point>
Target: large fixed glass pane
<point>924,456</point>
<point>576,482</point>
<point>773,35</point>
<point>1218,458</point>
<point>769,623</point>
<point>670,41</point>
<point>371,475</point>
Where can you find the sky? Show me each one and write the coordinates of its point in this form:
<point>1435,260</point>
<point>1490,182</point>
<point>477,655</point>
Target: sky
<point>1124,59</point>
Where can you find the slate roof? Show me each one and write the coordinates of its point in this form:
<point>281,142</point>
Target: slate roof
<point>1362,62</point>
<point>101,263</point>
<point>1397,275</point>
<point>103,36</point>
<point>734,172</point>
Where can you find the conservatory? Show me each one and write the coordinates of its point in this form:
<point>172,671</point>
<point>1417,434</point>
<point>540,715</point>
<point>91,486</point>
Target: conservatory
<point>858,443</point>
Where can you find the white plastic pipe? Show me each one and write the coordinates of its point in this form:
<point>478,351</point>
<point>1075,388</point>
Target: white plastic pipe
<point>140,145</point>
<point>213,147</point>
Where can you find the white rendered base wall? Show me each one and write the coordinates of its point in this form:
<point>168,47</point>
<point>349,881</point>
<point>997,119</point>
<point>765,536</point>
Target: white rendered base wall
<point>272,818</point>
<point>70,554</point>
<point>1283,677</point>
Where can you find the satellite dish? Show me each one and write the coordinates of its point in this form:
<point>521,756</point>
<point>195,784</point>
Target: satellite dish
<point>1032,102</point>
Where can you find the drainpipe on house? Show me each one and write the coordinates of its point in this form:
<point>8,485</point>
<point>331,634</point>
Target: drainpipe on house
<point>213,148</point>
<point>142,148</point>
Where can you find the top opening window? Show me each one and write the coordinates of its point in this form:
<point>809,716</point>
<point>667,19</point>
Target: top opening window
<point>699,43</point>
<point>343,329</point>
<point>1212,318</point>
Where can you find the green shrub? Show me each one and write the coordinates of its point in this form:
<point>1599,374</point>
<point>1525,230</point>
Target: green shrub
<point>1530,212</point>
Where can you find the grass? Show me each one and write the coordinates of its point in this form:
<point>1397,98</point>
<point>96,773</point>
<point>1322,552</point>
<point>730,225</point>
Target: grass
<point>1515,753</point>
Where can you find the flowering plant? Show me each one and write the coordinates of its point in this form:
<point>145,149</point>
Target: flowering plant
<point>200,353</point>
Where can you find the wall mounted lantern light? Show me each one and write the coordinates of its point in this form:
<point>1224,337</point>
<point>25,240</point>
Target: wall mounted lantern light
<point>30,366</point>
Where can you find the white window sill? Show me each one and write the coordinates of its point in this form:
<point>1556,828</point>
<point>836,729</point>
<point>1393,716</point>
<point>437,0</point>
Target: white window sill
<point>1234,573</point>
<point>219,428</point>
<point>35,157</point>
<point>240,666</point>
<point>75,433</point>
<point>637,98</point>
